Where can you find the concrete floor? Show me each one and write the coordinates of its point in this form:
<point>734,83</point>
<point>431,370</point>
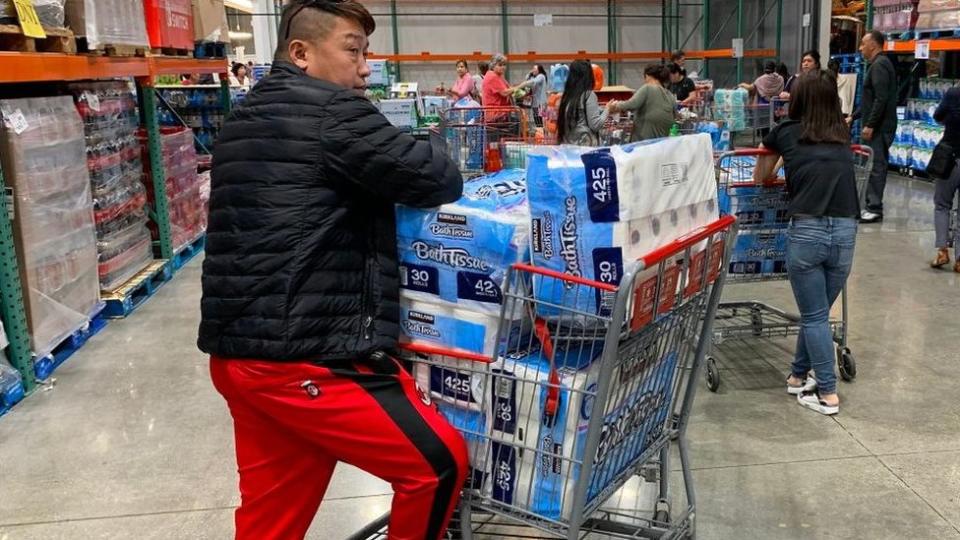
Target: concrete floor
<point>133,441</point>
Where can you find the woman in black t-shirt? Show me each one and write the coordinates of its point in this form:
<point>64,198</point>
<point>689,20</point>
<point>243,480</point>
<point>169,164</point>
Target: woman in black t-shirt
<point>815,146</point>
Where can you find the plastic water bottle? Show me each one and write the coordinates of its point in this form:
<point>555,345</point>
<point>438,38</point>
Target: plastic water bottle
<point>11,385</point>
<point>675,130</point>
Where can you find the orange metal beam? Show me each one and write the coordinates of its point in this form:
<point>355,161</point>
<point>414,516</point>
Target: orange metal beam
<point>533,56</point>
<point>21,67</point>
<point>911,45</point>
<point>168,65</point>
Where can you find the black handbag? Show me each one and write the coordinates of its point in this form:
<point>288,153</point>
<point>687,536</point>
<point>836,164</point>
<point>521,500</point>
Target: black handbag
<point>942,161</point>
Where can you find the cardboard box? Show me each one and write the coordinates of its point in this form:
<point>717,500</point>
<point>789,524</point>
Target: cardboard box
<point>210,21</point>
<point>400,112</point>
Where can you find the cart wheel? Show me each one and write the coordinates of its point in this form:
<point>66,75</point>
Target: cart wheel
<point>846,364</point>
<point>662,515</point>
<point>712,374</point>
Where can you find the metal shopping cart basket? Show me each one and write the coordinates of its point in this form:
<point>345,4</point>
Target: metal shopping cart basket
<point>759,254</point>
<point>593,386</point>
<point>470,131</point>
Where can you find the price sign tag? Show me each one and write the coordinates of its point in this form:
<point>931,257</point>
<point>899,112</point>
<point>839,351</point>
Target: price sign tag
<point>29,22</point>
<point>738,47</point>
<point>922,49</point>
<point>93,101</point>
<point>17,121</point>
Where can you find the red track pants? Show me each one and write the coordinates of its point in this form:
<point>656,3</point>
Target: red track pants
<point>294,421</point>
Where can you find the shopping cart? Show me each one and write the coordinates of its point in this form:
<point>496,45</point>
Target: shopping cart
<point>582,400</point>
<point>470,131</point>
<point>616,130</point>
<point>759,255</point>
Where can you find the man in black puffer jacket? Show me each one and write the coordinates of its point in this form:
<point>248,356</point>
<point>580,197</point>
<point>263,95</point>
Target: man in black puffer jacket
<point>300,286</point>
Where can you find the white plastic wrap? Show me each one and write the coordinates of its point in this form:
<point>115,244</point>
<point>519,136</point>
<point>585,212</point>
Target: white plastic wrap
<point>108,22</point>
<point>44,161</point>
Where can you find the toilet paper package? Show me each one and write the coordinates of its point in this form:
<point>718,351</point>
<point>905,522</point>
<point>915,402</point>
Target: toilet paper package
<point>759,253</point>
<point>594,210</point>
<point>473,426</point>
<point>459,253</point>
<point>756,206</point>
<point>440,324</point>
<point>533,453</point>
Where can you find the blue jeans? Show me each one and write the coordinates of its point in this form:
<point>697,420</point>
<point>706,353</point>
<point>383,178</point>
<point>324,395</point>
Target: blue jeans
<point>819,257</point>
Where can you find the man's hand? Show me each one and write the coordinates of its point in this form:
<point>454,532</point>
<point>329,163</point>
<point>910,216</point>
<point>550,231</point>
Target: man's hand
<point>612,105</point>
<point>867,134</point>
<point>848,120</point>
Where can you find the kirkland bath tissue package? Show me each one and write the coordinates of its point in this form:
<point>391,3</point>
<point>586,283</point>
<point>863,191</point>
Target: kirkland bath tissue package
<point>541,480</point>
<point>454,259</point>
<point>595,209</point>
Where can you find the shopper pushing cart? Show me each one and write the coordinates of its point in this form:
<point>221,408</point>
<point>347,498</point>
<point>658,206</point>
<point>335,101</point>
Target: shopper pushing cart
<point>301,287</point>
<point>821,227</point>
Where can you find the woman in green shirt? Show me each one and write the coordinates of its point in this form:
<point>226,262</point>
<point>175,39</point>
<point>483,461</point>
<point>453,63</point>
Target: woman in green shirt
<point>654,107</point>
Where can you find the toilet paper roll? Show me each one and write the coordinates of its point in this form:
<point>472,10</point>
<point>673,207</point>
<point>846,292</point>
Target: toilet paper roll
<point>473,425</point>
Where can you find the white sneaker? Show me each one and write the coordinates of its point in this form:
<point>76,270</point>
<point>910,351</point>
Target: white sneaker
<point>870,217</point>
<point>808,385</point>
<point>812,401</point>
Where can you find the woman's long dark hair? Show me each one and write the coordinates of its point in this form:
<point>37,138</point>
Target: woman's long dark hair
<point>540,71</point>
<point>815,103</point>
<point>579,84</point>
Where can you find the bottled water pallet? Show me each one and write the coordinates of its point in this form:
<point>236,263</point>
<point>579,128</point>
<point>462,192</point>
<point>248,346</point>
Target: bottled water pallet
<point>129,296</point>
<point>187,252</point>
<point>44,366</point>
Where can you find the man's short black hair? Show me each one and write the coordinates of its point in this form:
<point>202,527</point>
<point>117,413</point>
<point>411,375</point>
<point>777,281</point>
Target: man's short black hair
<point>675,68</point>
<point>310,20</point>
<point>677,55</point>
<point>877,37</point>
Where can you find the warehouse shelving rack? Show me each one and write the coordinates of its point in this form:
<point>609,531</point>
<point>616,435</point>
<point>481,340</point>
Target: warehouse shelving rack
<point>19,67</point>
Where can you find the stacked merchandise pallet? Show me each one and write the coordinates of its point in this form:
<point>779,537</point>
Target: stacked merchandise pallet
<point>186,208</point>
<point>199,107</point>
<point>919,133</point>
<point>938,15</point>
<point>44,162</point>
<point>895,16</point>
<point>110,121</point>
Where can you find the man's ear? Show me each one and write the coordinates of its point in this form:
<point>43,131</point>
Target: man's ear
<point>297,50</point>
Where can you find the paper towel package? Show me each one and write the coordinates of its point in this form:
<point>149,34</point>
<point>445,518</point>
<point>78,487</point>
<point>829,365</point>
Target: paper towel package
<point>593,210</point>
<point>543,480</point>
<point>759,253</point>
<point>454,260</point>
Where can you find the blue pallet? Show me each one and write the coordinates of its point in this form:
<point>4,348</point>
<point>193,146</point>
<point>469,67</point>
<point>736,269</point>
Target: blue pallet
<point>44,366</point>
<point>905,35</point>
<point>935,34</point>
<point>209,49</point>
<point>187,252</point>
<point>138,290</point>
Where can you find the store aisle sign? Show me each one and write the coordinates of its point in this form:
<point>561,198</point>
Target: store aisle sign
<point>542,19</point>
<point>738,47</point>
<point>921,50</point>
<point>29,22</point>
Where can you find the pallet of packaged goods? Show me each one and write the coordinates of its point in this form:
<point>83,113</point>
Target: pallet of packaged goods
<point>44,160</point>
<point>132,294</point>
<point>57,40</point>
<point>108,27</point>
<point>187,192</point>
<point>45,365</point>
<point>938,19</point>
<point>109,113</point>
<point>190,250</point>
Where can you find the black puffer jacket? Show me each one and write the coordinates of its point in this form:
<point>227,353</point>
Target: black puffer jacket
<point>301,253</point>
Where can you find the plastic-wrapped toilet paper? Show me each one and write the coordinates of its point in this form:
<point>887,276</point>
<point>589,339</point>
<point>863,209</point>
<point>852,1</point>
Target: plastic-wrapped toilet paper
<point>473,426</point>
<point>592,210</point>
<point>533,453</point>
<point>440,325</point>
<point>459,253</point>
